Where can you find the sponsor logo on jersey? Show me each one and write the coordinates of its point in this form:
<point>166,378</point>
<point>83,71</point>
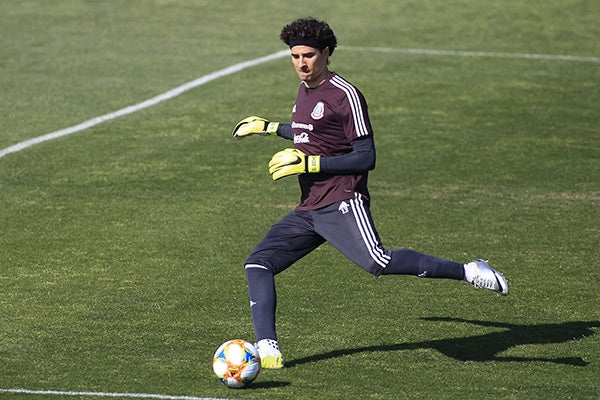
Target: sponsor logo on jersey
<point>302,138</point>
<point>299,125</point>
<point>318,111</point>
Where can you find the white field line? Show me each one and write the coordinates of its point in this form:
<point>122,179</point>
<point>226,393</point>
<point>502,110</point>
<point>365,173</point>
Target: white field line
<point>106,394</point>
<point>475,54</point>
<point>247,64</point>
<point>145,104</point>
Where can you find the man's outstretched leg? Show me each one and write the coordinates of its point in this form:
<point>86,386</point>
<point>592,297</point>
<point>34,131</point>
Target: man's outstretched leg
<point>478,272</point>
<point>361,244</point>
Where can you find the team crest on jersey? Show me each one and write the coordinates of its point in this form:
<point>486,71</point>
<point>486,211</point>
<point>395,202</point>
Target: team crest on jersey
<point>318,111</point>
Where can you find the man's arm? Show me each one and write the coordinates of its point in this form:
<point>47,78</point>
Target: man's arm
<point>361,158</point>
<point>292,161</point>
<point>285,131</point>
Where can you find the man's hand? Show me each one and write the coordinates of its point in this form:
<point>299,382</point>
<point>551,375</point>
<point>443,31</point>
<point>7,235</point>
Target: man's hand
<point>254,126</point>
<point>293,162</point>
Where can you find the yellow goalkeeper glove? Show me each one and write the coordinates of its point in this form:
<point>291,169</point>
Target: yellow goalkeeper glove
<point>293,162</point>
<point>254,126</point>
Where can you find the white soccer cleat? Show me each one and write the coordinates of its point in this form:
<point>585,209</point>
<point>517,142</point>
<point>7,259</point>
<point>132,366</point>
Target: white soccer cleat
<point>270,356</point>
<point>486,277</point>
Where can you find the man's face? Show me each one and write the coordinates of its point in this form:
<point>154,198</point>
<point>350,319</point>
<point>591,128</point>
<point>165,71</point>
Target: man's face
<point>310,64</point>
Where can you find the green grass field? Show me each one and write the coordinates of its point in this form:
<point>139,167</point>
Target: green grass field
<point>121,246</point>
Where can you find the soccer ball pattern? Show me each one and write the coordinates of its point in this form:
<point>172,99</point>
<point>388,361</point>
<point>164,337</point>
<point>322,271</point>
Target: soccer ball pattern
<point>236,363</point>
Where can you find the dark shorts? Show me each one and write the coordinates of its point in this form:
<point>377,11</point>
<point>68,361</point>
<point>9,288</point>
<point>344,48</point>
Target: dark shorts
<point>347,225</point>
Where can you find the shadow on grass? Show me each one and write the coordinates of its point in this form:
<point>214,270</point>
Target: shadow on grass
<point>267,385</point>
<point>484,347</point>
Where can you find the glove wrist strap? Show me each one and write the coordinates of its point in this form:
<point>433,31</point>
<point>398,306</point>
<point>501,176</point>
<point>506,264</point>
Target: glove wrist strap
<point>313,164</point>
<point>272,128</point>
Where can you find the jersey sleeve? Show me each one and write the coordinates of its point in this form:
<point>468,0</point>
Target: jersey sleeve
<point>285,131</point>
<point>360,159</point>
<point>352,112</point>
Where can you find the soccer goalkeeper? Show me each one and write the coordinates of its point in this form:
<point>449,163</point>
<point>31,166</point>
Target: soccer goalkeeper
<point>332,154</point>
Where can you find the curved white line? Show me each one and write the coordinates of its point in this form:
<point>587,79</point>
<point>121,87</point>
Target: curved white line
<point>247,64</point>
<point>145,104</point>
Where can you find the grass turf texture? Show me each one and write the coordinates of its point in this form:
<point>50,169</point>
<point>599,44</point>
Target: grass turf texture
<point>121,247</point>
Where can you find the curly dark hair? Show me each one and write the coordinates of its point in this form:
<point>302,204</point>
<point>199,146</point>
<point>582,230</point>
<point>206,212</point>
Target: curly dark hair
<point>311,32</point>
